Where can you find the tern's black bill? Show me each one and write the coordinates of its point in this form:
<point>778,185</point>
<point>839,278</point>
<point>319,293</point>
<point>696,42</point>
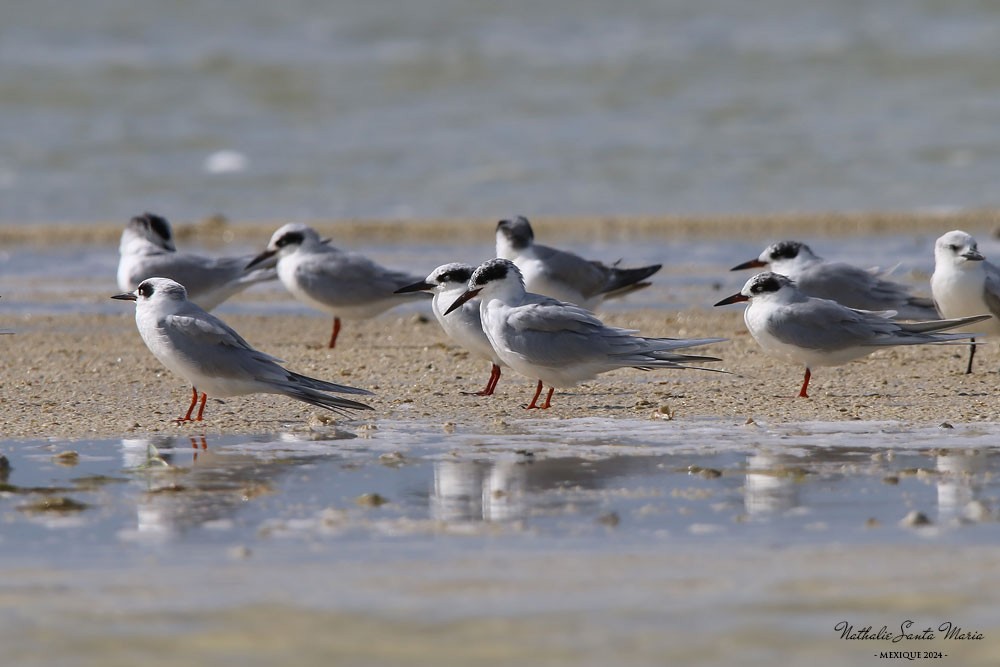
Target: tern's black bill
<point>422,286</point>
<point>736,298</point>
<point>262,257</point>
<point>127,296</point>
<point>752,264</point>
<point>467,296</point>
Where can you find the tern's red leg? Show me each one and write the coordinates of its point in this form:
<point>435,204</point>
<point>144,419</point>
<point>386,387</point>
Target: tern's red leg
<point>548,399</point>
<point>194,399</point>
<point>201,409</point>
<point>534,399</point>
<point>491,384</point>
<point>972,353</point>
<point>805,385</point>
<point>336,331</point>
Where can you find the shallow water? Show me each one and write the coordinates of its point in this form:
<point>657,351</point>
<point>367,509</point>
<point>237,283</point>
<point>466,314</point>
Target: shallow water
<point>563,540</point>
<point>57,279</point>
<point>450,107</point>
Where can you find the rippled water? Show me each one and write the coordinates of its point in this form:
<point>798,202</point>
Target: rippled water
<point>633,541</point>
<point>308,109</point>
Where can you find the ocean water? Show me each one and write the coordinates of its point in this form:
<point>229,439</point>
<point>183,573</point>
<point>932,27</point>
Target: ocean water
<point>372,108</point>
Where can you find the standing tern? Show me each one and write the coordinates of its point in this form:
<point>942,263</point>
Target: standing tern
<point>560,344</point>
<point>964,283</point>
<point>346,284</point>
<point>848,285</point>
<point>563,275</point>
<point>147,250</point>
<point>209,354</point>
<point>791,325</point>
<point>447,283</point>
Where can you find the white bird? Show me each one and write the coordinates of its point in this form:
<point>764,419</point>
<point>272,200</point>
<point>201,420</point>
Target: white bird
<point>346,284</point>
<point>448,282</point>
<point>791,325</point>
<point>210,355</point>
<point>563,275</point>
<point>557,343</point>
<point>147,250</point>
<point>848,285</point>
<point>964,283</point>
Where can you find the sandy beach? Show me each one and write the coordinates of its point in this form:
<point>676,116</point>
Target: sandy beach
<point>74,376</point>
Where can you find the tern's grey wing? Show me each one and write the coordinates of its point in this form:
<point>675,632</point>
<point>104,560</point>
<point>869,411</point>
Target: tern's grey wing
<point>821,324</point>
<point>848,285</point>
<point>550,315</point>
<point>205,331</point>
<point>586,277</point>
<point>351,279</point>
<point>555,334</point>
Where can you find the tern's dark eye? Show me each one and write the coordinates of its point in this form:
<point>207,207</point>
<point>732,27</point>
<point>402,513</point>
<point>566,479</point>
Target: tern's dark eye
<point>289,239</point>
<point>145,290</point>
<point>953,247</point>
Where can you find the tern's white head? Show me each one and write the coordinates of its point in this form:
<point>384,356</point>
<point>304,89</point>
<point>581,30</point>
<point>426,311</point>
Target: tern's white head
<point>154,291</point>
<point>445,278</point>
<point>147,232</point>
<point>781,256</point>
<point>957,249</point>
<point>495,278</point>
<point>513,235</point>
<point>287,240</point>
<point>767,286</point>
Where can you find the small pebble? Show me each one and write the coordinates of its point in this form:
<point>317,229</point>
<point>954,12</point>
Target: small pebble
<point>371,500</point>
<point>609,519</point>
<point>915,518</point>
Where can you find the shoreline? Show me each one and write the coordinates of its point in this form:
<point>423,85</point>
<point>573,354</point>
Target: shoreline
<point>72,376</point>
<point>219,231</point>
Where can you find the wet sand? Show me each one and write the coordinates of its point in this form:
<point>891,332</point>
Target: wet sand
<point>71,376</point>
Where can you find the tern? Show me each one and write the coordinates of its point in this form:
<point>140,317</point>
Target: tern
<point>448,282</point>
<point>563,275</point>
<point>846,284</point>
<point>345,284</point>
<point>147,250</point>
<point>560,344</point>
<point>790,325</point>
<point>965,283</point>
<point>206,352</point>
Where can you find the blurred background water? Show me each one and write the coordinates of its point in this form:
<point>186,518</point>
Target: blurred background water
<point>374,108</point>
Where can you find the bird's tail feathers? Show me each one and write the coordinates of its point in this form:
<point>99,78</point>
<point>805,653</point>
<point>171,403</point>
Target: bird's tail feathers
<point>319,399</point>
<point>943,325</point>
<point>323,385</point>
<point>623,281</point>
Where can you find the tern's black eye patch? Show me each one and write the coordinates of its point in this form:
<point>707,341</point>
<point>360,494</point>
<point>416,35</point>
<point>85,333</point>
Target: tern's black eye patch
<point>491,272</point>
<point>768,284</point>
<point>785,250</point>
<point>455,276</point>
<point>289,238</point>
<point>146,290</point>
